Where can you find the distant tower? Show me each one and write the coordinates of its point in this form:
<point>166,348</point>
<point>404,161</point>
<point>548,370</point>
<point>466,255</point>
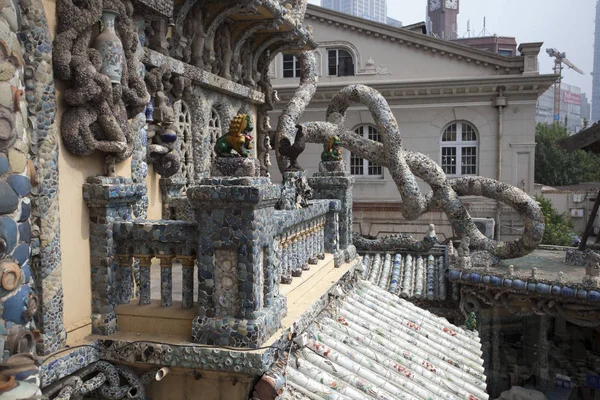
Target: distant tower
<point>596,73</point>
<point>375,10</point>
<point>443,15</point>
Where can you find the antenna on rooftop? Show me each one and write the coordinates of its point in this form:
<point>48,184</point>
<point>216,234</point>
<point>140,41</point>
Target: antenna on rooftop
<point>484,32</point>
<point>469,31</point>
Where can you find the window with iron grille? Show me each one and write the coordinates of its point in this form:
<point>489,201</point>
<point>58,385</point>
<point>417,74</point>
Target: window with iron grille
<point>459,149</point>
<point>291,66</point>
<point>340,62</point>
<point>360,166</point>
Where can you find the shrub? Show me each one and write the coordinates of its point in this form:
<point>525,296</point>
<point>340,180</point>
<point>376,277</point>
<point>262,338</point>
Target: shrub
<point>559,228</point>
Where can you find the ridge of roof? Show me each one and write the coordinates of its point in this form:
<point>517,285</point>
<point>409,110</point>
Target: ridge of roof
<point>418,40</point>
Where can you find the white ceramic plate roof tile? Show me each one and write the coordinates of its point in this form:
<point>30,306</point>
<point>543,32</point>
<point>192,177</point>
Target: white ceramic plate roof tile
<point>374,345</point>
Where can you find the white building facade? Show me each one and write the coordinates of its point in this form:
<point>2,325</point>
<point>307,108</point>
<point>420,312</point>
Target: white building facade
<point>451,102</point>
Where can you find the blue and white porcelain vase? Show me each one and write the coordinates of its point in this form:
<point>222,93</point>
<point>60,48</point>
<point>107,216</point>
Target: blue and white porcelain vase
<point>110,47</point>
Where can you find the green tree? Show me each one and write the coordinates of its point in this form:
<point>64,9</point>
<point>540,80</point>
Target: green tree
<point>555,166</point>
<point>559,227</point>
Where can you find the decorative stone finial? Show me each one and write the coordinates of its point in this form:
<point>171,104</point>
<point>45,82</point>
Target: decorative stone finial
<point>238,138</point>
<point>431,236</point>
<point>431,230</point>
<point>332,150</point>
<point>451,252</point>
<point>464,253</point>
<point>592,270</point>
<point>561,277</point>
<point>293,151</point>
<point>511,271</point>
<point>534,273</point>
<point>471,322</point>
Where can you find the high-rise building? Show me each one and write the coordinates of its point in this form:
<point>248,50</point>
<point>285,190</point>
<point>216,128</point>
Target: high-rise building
<point>375,10</point>
<point>596,73</point>
<point>394,22</point>
<point>586,108</point>
<point>571,107</point>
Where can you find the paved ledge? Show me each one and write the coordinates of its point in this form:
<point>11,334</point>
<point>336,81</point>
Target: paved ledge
<point>309,296</point>
<point>67,362</point>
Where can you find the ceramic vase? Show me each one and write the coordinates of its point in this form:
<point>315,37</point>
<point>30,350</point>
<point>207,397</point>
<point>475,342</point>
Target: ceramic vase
<point>110,47</point>
<point>150,111</point>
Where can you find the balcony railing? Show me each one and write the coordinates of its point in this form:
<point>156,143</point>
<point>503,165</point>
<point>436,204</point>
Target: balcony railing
<point>235,254</point>
<point>301,236</point>
<point>170,242</point>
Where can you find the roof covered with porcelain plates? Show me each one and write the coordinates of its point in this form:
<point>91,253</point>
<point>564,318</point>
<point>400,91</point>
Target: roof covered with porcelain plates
<point>408,275</point>
<point>371,344</point>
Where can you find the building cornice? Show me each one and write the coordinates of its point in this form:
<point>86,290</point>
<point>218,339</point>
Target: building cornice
<point>485,86</point>
<point>509,65</point>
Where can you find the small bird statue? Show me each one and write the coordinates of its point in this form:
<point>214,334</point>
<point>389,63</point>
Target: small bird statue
<point>293,151</point>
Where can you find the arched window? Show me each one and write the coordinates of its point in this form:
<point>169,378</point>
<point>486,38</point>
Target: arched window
<point>459,149</point>
<point>214,130</point>
<point>340,62</point>
<point>360,166</point>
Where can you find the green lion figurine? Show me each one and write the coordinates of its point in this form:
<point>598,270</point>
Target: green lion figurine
<point>471,322</point>
<point>332,150</point>
<point>237,138</point>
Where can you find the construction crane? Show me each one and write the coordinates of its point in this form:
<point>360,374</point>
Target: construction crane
<point>559,60</point>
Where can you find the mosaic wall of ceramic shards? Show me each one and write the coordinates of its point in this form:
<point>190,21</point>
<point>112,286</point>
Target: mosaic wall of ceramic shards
<point>29,231</point>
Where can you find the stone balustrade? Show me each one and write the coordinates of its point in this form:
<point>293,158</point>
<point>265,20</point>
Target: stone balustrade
<point>304,236</point>
<point>243,247</point>
<point>169,242</point>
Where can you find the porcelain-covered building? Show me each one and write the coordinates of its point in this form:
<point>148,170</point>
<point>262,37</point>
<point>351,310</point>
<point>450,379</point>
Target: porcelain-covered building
<point>145,251</point>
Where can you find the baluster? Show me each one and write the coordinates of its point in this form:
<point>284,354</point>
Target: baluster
<point>313,243</point>
<point>145,265</point>
<point>286,269</point>
<point>187,295</point>
<point>310,243</point>
<point>304,248</point>
<point>166,281</point>
<point>126,278</point>
<point>321,255</point>
<point>316,240</point>
<point>295,257</point>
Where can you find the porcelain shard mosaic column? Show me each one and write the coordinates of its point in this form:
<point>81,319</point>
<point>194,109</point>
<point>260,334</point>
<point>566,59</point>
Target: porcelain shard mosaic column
<point>235,249</point>
<point>109,200</point>
<point>333,182</point>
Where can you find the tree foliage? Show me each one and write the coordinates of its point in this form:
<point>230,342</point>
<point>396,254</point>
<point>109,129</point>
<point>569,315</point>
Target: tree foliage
<point>555,166</point>
<point>559,227</point>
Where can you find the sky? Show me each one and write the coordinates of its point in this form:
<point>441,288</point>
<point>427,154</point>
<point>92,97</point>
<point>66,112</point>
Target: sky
<point>567,25</point>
